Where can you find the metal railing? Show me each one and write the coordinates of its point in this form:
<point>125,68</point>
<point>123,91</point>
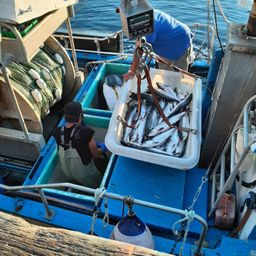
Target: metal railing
<point>207,29</point>
<point>209,34</point>
<point>229,149</point>
<point>50,213</point>
<point>95,39</point>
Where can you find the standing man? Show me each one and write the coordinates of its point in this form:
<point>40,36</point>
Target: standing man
<point>171,40</point>
<point>77,148</point>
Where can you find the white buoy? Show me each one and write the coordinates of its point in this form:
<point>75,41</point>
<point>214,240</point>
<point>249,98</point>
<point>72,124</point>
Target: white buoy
<point>63,70</point>
<point>58,93</point>
<point>33,74</point>
<point>41,83</point>
<point>46,73</point>
<point>58,58</point>
<point>133,231</point>
<point>36,95</point>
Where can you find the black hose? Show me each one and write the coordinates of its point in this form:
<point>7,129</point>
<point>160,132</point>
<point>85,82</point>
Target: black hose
<point>247,184</point>
<point>216,26</point>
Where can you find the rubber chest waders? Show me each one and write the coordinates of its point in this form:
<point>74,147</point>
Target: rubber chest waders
<point>72,165</point>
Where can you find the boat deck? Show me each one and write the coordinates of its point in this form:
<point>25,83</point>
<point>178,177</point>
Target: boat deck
<point>160,185</point>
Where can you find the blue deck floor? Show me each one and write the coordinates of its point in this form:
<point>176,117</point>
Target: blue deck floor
<point>156,184</point>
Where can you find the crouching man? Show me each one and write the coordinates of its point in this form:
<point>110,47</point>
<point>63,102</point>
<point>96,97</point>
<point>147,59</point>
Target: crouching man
<point>78,152</point>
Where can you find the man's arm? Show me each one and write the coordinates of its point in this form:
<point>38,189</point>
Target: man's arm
<point>95,151</point>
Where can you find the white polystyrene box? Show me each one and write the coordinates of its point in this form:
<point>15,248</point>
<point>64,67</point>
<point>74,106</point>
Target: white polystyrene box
<point>20,11</point>
<point>192,152</point>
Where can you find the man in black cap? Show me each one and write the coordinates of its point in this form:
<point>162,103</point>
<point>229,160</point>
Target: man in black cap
<point>77,148</point>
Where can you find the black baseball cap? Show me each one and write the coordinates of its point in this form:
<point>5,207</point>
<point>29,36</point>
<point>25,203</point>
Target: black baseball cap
<point>72,111</point>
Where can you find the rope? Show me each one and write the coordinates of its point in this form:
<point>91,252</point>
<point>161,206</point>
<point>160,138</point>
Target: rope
<point>190,215</point>
<point>184,222</point>
<point>99,193</point>
<point>204,179</point>
<point>105,219</point>
<point>157,57</point>
<point>174,230</point>
<point>222,12</point>
<point>128,200</point>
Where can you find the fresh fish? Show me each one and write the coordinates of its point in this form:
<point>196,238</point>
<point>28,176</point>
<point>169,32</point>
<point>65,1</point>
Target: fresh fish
<point>184,123</point>
<point>168,89</point>
<point>137,132</point>
<point>134,135</point>
<point>131,104</point>
<point>163,94</point>
<point>152,119</point>
<point>167,110</point>
<point>158,151</point>
<point>158,140</point>
<point>180,94</point>
<point>144,95</point>
<point>131,144</point>
<point>151,132</point>
<point>173,143</point>
<point>129,117</point>
<point>163,126</point>
<point>181,105</point>
<point>142,122</point>
<point>179,151</point>
<point>162,103</point>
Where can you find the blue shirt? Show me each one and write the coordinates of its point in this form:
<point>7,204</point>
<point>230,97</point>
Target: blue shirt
<point>170,38</point>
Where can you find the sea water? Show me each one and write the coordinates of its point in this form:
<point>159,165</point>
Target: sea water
<point>100,15</point>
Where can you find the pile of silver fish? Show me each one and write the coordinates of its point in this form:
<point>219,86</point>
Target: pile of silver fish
<point>151,132</point>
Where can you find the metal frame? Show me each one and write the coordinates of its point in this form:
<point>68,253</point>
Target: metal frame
<point>97,40</point>
<point>234,168</point>
<point>105,194</point>
<point>13,96</point>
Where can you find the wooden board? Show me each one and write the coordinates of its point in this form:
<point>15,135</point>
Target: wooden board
<point>18,237</point>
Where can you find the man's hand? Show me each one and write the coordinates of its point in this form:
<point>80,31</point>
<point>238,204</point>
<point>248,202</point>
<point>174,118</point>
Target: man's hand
<point>129,75</point>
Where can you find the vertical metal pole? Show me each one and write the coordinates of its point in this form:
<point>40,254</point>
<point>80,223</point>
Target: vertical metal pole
<point>229,182</point>
<point>213,188</point>
<point>14,100</point>
<point>121,34</point>
<point>232,153</point>
<point>208,30</point>
<point>72,44</point>
<point>49,213</point>
<point>222,172</point>
<point>246,127</point>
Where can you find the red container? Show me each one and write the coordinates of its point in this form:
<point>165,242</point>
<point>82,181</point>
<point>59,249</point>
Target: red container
<point>225,212</point>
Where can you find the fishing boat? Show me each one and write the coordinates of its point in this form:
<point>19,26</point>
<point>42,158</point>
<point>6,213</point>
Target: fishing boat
<point>197,201</point>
